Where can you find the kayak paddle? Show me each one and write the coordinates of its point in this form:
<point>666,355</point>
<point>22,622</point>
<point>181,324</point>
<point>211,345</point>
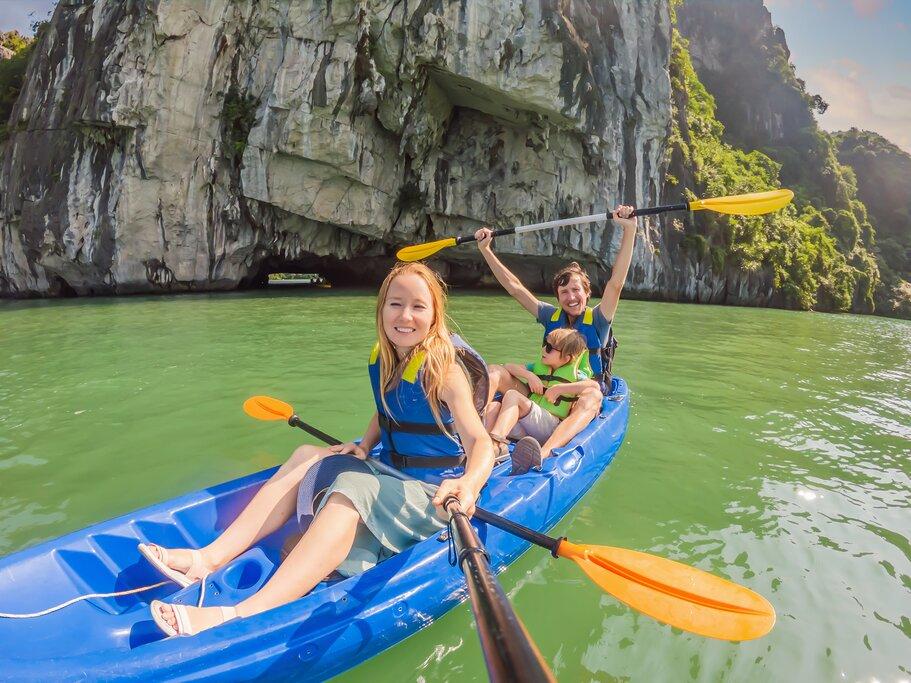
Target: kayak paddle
<point>753,204</point>
<point>671,592</point>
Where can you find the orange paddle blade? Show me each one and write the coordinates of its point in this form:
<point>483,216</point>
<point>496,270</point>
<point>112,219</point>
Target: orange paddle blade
<point>675,593</point>
<point>753,204</point>
<point>267,408</point>
<point>416,252</point>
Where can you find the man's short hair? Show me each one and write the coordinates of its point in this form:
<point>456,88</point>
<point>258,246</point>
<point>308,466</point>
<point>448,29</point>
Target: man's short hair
<point>563,276</point>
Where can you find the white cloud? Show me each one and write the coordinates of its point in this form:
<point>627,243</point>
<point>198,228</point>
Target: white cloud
<point>868,8</point>
<point>858,100</point>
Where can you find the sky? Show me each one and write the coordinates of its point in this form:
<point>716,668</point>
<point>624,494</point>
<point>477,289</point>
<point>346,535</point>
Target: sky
<point>855,53</point>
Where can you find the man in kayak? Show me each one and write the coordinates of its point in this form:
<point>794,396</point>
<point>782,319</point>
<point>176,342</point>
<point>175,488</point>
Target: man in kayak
<point>572,288</point>
<point>425,418</point>
<point>549,388</point>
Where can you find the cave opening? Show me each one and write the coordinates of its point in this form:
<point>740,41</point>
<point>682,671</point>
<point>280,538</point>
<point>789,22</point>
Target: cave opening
<point>295,279</point>
<point>310,270</point>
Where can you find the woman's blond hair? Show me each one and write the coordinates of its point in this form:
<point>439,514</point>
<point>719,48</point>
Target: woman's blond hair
<point>439,353</point>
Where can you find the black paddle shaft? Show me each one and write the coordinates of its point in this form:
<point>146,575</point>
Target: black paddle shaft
<point>295,421</point>
<point>509,651</point>
<point>682,206</point>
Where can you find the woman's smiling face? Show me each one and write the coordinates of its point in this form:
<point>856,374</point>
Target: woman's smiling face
<point>407,312</point>
<point>572,296</point>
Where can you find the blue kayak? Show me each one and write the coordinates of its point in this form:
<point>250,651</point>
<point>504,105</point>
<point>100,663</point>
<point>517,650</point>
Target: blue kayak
<point>335,627</point>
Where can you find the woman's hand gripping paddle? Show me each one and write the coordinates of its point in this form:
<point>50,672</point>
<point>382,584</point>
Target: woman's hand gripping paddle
<point>669,591</point>
<point>753,204</point>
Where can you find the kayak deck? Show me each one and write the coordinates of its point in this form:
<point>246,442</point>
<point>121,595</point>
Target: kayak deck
<point>336,626</point>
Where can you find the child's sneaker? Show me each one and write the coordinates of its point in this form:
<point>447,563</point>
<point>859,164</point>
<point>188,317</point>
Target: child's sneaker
<point>526,455</point>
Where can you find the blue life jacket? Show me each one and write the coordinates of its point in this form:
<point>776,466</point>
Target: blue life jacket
<point>411,439</point>
<point>600,352</point>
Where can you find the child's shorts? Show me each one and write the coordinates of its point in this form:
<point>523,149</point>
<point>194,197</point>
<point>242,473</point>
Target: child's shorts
<point>538,424</point>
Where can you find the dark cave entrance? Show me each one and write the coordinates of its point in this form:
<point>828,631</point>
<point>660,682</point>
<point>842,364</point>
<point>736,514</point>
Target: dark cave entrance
<point>275,272</point>
<point>295,280</point>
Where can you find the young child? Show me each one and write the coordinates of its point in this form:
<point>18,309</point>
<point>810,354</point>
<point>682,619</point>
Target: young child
<point>532,413</point>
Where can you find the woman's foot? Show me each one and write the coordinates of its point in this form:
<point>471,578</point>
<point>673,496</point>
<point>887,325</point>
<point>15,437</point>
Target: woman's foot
<point>184,565</point>
<point>526,455</point>
<point>184,620</point>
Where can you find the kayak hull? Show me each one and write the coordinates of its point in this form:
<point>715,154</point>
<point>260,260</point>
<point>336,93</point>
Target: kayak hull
<point>334,628</point>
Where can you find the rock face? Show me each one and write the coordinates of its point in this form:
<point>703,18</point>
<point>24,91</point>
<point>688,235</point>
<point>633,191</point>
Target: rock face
<point>169,145</point>
<point>733,45</point>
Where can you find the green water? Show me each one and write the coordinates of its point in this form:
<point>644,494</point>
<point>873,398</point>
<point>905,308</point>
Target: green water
<point>770,447</point>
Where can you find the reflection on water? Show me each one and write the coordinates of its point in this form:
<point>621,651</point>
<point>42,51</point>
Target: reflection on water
<point>769,447</point>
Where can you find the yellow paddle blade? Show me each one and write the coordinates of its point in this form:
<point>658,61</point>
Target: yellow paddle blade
<point>675,593</point>
<point>267,408</point>
<point>754,204</point>
<point>416,252</point>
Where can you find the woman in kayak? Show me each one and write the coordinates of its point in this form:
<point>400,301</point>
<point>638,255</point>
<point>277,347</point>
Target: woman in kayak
<point>572,287</point>
<point>364,516</point>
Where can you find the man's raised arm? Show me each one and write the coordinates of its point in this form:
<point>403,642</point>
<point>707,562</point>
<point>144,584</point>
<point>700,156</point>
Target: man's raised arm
<point>504,276</point>
<point>611,297</point>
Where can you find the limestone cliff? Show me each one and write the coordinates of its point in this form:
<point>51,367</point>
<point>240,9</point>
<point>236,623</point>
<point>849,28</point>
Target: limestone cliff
<point>170,145</point>
<point>821,250</point>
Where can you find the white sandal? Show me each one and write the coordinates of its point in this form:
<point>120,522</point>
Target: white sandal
<point>159,560</point>
<point>184,627</point>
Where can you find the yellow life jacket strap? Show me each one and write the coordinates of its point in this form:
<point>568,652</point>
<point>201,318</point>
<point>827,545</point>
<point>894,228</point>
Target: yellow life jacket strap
<point>588,317</point>
<point>410,373</point>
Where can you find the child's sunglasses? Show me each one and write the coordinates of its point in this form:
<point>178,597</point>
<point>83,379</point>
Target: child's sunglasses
<point>548,347</point>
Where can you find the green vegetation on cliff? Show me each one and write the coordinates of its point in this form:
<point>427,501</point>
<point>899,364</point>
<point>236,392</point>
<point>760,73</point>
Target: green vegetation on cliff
<point>816,253</point>
<point>12,71</point>
<point>883,173</point>
<point>847,234</point>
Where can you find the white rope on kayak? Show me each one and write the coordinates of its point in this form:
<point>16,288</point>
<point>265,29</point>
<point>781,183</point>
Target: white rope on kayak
<point>73,601</point>
<point>49,610</point>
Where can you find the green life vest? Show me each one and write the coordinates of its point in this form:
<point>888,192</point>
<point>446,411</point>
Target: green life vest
<point>571,372</point>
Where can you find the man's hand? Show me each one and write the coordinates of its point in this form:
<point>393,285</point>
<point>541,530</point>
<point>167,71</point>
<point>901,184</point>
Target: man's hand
<point>484,236</point>
<point>462,489</point>
<point>349,447</point>
<point>621,217</point>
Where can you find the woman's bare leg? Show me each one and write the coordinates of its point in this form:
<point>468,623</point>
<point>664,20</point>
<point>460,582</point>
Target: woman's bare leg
<point>270,508</point>
<point>321,550</point>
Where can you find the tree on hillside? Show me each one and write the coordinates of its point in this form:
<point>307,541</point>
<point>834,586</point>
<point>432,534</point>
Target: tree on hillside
<point>12,70</point>
<point>14,41</point>
<point>883,172</point>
